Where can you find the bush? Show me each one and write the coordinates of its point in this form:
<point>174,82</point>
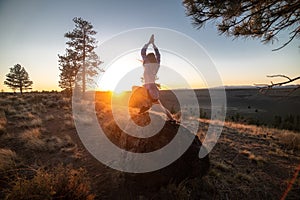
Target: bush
<point>7,159</point>
<point>32,139</point>
<point>290,140</point>
<point>60,183</point>
<point>3,122</point>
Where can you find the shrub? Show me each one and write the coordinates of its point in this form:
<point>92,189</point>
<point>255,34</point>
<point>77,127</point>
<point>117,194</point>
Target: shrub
<point>290,140</point>
<point>36,122</point>
<point>51,104</point>
<point>187,189</point>
<point>61,183</point>
<point>3,122</point>
<point>32,139</point>
<point>64,102</point>
<point>7,159</point>
<point>49,117</point>
<point>10,110</point>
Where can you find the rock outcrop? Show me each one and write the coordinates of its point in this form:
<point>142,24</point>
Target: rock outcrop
<point>188,165</point>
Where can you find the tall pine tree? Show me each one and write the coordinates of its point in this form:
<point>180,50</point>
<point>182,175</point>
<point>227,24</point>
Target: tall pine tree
<point>80,58</point>
<point>69,67</point>
<point>18,78</point>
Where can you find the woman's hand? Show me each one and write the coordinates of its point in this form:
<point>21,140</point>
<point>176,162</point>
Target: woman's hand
<point>151,41</point>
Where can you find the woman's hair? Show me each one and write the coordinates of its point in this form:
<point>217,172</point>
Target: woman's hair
<point>150,58</point>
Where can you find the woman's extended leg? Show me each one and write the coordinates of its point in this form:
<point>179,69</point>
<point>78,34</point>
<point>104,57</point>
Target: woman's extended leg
<point>169,115</point>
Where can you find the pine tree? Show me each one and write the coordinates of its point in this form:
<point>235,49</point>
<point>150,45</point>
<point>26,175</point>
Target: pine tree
<point>18,78</point>
<point>261,19</point>
<point>248,18</point>
<point>80,59</point>
<point>69,68</point>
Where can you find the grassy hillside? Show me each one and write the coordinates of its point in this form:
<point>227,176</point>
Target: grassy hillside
<point>41,156</point>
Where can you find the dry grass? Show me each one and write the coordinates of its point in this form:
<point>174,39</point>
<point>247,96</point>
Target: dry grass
<point>49,117</point>
<point>51,103</point>
<point>4,101</point>
<point>243,177</point>
<point>64,102</point>
<point>251,162</point>
<point>221,166</point>
<point>29,115</point>
<point>290,140</point>
<point>69,123</point>
<point>251,156</point>
<point>25,124</point>
<point>32,133</point>
<point>36,122</point>
<point>87,120</point>
<point>7,159</point>
<point>38,108</point>
<point>248,162</point>
<point>2,128</point>
<point>3,122</point>
<point>243,128</point>
<point>9,109</point>
<point>59,183</point>
<point>186,190</point>
<point>55,143</point>
<point>32,139</point>
<point>68,116</point>
<point>25,115</point>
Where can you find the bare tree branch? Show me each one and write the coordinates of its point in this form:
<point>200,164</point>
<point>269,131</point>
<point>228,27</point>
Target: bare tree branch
<point>284,82</point>
<point>266,87</point>
<point>279,75</point>
<point>290,40</point>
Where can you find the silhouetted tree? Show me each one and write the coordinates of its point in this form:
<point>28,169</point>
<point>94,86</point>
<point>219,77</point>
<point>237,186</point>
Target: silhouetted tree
<point>69,67</point>
<point>18,78</point>
<point>80,58</point>
<point>263,19</point>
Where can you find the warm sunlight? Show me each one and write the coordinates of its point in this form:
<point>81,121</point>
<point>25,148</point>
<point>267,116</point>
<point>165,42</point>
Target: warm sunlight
<point>78,120</point>
<point>115,76</point>
<point>126,71</point>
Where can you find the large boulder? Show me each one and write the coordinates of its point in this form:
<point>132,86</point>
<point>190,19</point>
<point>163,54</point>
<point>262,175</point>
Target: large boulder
<point>189,165</point>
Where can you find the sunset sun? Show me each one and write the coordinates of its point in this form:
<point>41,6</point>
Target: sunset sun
<point>122,74</point>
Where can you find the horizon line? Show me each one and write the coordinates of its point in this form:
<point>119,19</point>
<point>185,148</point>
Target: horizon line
<point>203,88</point>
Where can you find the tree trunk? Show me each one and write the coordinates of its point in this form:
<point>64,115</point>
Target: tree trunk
<point>21,87</point>
<point>83,65</point>
<point>69,93</point>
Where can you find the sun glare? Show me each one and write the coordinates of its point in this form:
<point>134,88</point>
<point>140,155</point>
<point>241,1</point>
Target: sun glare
<point>126,71</point>
<point>122,74</point>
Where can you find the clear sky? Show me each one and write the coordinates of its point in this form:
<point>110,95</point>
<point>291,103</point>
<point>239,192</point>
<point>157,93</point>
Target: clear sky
<point>32,34</point>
